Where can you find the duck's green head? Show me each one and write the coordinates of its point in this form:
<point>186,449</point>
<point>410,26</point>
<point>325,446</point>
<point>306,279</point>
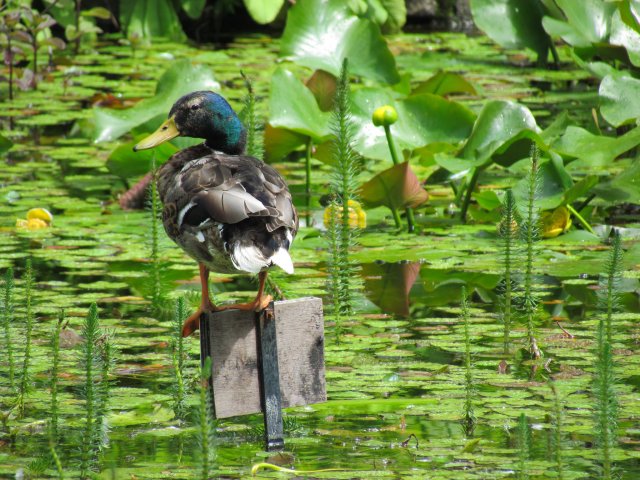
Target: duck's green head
<point>201,115</point>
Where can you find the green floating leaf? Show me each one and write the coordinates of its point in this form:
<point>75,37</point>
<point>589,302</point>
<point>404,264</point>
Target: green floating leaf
<point>263,11</point>
<point>619,99</point>
<point>279,142</point>
<point>5,144</point>
<point>321,33</point>
<point>513,24</point>
<point>595,150</point>
<point>624,187</point>
<point>125,163</point>
<point>444,83</point>
<point>396,187</point>
<point>179,79</point>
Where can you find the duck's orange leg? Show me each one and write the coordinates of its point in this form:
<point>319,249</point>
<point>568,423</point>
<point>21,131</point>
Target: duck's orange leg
<point>261,301</point>
<point>192,323</point>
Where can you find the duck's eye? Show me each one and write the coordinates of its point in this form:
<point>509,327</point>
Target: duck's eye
<point>195,107</point>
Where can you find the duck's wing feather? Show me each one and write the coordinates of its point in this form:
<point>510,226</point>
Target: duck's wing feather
<point>225,189</point>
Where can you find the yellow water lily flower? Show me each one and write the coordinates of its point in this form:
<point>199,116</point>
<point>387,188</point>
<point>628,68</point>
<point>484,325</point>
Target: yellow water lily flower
<point>357,215</point>
<point>37,218</point>
<point>555,222</point>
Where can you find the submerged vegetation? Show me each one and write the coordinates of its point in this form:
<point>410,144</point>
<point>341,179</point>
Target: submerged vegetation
<point>518,184</point>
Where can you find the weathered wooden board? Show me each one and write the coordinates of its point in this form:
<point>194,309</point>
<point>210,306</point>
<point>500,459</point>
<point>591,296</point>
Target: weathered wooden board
<point>230,338</point>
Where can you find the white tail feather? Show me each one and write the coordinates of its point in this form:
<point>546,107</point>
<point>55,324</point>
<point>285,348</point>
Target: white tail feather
<point>283,260</point>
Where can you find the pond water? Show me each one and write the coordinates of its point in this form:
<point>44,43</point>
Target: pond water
<point>395,375</point>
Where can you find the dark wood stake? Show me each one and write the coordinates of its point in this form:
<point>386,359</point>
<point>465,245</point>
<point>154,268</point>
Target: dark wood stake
<point>270,380</point>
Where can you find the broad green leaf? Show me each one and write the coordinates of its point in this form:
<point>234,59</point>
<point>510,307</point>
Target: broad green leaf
<point>595,150</point>
<point>150,18</point>
<point>444,83</point>
<point>587,22</point>
<point>624,187</point>
<point>319,34</point>
<point>580,189</point>
<point>625,36</point>
<point>97,12</point>
<point>293,106</point>
<point>125,163</point>
<point>395,187</point>
<point>263,11</point>
<point>499,124</point>
<point>422,119</point>
<point>554,182</point>
<point>193,8</point>
<point>323,86</point>
<point>5,144</point>
<point>513,24</point>
<point>279,142</point>
<point>181,78</point>
<point>619,99</point>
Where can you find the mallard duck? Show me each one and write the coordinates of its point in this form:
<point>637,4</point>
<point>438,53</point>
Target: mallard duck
<point>228,211</point>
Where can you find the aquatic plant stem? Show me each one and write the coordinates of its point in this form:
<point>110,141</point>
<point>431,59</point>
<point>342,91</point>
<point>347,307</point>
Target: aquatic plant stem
<point>469,191</point>
<point>156,294</point>
<point>25,380</point>
<point>7,320</point>
<point>177,357</point>
<point>55,367</point>
<point>524,446</point>
<point>307,186</point>
<point>531,235</point>
<point>604,388</point>
<point>469,419</point>
<point>91,335</point>
<point>206,426</point>
<point>557,430</point>
<point>508,227</point>
<point>579,217</point>
<point>396,161</point>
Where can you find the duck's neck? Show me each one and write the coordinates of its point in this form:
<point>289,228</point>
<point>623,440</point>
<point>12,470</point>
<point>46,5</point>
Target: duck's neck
<point>230,140</point>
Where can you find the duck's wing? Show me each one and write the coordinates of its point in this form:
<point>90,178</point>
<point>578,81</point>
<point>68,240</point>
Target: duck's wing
<point>226,189</point>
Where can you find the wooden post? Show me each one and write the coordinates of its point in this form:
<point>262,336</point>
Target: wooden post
<point>266,362</point>
<point>270,397</point>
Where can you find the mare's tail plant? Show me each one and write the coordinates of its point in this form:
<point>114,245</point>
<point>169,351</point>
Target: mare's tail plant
<point>530,232</point>
<point>341,236</point>
<point>469,418</point>
<point>557,431</point>
<point>7,320</point>
<point>604,389</point>
<point>524,446</point>
<point>206,424</point>
<point>508,233</point>
<point>156,293</point>
<point>25,376</point>
<point>254,138</point>
<point>178,356</point>
<point>90,361</point>
<point>55,370</point>
<point>106,362</point>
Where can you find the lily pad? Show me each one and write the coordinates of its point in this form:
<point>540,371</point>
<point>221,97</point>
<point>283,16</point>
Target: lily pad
<point>125,163</point>
<point>179,79</point>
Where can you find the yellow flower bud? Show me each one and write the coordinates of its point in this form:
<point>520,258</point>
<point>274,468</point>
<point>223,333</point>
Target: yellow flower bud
<point>384,116</point>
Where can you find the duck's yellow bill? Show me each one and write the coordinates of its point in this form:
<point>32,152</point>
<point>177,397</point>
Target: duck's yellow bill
<point>164,133</point>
